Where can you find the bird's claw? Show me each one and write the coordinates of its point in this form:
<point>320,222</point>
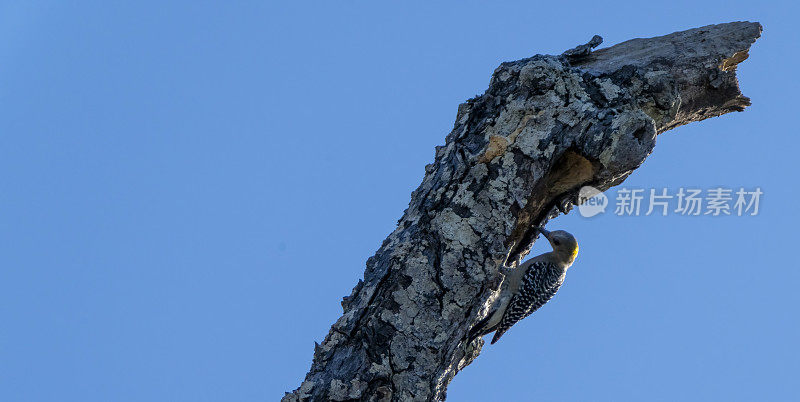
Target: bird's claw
<point>506,270</point>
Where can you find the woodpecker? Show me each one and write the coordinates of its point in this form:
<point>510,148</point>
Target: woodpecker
<point>531,285</point>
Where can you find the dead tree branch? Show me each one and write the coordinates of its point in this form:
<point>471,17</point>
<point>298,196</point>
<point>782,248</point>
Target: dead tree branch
<point>516,156</point>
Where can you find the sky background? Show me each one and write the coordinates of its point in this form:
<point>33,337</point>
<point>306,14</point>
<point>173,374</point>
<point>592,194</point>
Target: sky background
<point>187,190</point>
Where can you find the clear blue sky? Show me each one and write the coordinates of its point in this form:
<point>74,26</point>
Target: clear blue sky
<point>188,189</point>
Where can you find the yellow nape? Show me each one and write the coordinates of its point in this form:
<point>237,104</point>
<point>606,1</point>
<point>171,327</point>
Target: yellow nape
<point>574,252</point>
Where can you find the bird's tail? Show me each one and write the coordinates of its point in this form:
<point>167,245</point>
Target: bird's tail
<point>497,336</point>
<point>480,328</point>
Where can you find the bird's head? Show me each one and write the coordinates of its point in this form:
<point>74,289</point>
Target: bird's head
<point>565,247</point>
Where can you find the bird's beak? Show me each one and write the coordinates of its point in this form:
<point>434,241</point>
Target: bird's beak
<point>545,233</point>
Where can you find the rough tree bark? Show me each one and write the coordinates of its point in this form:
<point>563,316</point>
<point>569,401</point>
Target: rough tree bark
<point>516,156</point>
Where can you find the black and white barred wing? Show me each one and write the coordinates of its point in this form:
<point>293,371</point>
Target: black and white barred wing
<point>537,287</point>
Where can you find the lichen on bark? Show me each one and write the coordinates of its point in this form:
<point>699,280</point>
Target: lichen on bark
<point>515,158</point>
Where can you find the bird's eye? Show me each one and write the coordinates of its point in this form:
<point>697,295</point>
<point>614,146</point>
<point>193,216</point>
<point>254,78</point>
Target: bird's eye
<point>556,242</point>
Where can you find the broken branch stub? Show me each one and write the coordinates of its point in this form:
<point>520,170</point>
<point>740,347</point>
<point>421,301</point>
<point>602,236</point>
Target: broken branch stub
<point>546,126</point>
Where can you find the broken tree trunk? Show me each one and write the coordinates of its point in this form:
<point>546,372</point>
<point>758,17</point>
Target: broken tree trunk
<point>518,154</point>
